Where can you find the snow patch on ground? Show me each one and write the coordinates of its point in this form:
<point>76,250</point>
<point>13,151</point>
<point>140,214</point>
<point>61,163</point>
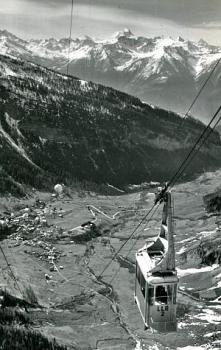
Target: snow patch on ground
<point>83,52</point>
<point>181,251</point>
<point>138,346</point>
<point>206,234</point>
<point>210,316</point>
<point>3,46</point>
<point>153,347</point>
<point>6,71</point>
<point>193,270</point>
<point>192,347</point>
<point>84,85</point>
<point>42,140</point>
<point>42,51</point>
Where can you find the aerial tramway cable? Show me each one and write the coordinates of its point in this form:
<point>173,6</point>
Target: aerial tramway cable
<point>116,273</point>
<point>172,182</point>
<point>202,88</point>
<point>70,35</point>
<point>10,269</point>
<point>71,25</point>
<point>200,142</point>
<point>196,97</point>
<point>2,250</point>
<point>174,179</point>
<point>121,247</point>
<point>180,170</point>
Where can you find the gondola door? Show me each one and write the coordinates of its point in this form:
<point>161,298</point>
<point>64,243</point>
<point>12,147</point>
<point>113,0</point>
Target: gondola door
<point>162,309</point>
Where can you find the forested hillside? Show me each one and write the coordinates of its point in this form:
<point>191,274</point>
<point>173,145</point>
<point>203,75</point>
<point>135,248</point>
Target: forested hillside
<point>59,128</point>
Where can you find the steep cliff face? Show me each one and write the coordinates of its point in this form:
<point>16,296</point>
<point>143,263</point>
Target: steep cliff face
<point>55,127</point>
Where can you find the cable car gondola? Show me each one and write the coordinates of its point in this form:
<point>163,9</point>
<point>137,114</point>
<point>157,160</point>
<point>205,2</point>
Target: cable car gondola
<point>156,277</point>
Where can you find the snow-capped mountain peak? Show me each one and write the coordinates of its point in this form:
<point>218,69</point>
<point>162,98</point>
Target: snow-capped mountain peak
<point>125,45</point>
<point>135,64</point>
<point>179,38</point>
<point>126,32</point>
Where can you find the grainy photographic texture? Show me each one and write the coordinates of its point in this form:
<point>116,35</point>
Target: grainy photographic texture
<point>110,170</point>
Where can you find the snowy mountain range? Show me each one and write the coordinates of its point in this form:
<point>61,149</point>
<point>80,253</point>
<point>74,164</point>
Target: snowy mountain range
<point>55,127</point>
<point>161,71</point>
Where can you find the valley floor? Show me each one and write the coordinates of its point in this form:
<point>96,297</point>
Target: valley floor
<point>83,311</point>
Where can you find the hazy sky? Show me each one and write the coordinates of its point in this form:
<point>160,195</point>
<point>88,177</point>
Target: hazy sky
<point>192,19</point>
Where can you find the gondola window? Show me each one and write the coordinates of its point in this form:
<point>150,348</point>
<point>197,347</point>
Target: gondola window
<point>142,284</point>
<point>161,294</point>
<point>151,295</point>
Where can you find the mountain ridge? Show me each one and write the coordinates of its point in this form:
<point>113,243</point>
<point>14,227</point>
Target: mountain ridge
<point>162,71</point>
<point>60,128</point>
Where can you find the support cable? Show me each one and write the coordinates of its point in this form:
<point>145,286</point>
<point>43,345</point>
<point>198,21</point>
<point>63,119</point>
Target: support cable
<point>189,159</point>
<point>136,239</point>
<point>70,35</point>
<point>197,96</point>
<point>210,130</point>
<point>121,247</point>
<point>180,170</point>
<point>202,88</point>
<point>10,269</point>
<point>171,182</point>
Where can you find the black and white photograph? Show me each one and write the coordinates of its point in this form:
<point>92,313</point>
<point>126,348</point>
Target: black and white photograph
<point>110,175</point>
